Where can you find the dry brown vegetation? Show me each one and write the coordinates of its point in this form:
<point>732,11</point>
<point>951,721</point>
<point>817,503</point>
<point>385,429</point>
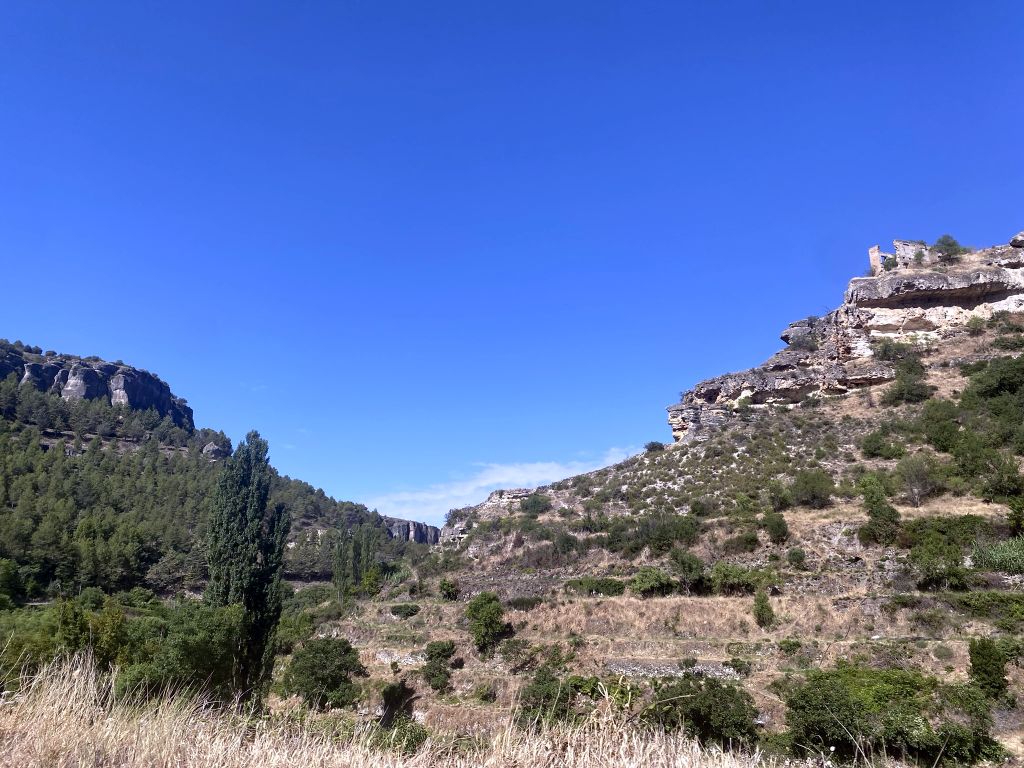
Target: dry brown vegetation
<point>66,715</point>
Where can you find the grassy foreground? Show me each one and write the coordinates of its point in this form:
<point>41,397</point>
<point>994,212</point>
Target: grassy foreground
<point>67,715</point>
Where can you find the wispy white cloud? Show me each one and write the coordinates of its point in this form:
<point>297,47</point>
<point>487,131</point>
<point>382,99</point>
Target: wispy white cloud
<point>430,504</point>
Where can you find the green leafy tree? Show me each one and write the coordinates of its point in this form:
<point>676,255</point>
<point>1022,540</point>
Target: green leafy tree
<point>689,569</point>
<point>812,488</point>
<point>988,666</point>
<point>437,670</point>
<point>708,710</point>
<point>449,589</point>
<point>245,549</point>
<point>764,615</point>
<point>321,672</point>
<point>486,621</point>
<point>650,582</point>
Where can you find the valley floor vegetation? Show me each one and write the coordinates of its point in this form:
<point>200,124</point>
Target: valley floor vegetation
<point>67,716</point>
<point>837,582</point>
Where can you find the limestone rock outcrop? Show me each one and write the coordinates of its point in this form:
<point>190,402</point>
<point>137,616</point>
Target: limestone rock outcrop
<point>1017,241</point>
<point>75,378</point>
<point>408,530</point>
<point>910,300</point>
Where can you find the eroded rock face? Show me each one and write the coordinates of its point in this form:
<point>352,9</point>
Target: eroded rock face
<point>1017,241</point>
<point>408,530</point>
<point>833,355</point>
<point>76,378</point>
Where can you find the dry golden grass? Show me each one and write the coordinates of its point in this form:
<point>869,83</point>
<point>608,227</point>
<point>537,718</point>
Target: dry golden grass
<point>68,716</point>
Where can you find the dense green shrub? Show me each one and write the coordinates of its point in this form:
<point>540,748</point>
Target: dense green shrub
<point>883,525</point>
<point>862,711</point>
<point>988,666</point>
<point>650,582</point>
<point>764,615</point>
<point>535,505</point>
<point>774,524</point>
<point>796,557</point>
<point>549,698</point>
<point>321,672</point>
<point>405,610</point>
<point>524,602</point>
<point>449,589</point>
<point>486,621</point>
<point>875,445</point>
<point>909,385</point>
<point>688,569</point>
<point>595,585</point>
<point>709,710</point>
<point>729,579</point>
<point>779,497</point>
<point>654,447</point>
<point>812,488</point>
<point>948,249</point>
<point>938,563</point>
<point>437,670</point>
<point>741,542</point>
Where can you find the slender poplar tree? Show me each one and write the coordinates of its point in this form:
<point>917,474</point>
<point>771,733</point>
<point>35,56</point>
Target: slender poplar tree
<point>246,556</point>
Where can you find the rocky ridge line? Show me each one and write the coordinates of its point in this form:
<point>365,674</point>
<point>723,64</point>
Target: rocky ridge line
<point>76,378</point>
<point>915,300</point>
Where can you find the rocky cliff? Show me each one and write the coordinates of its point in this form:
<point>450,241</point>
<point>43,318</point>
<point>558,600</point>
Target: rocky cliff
<point>408,530</point>
<point>76,378</point>
<point>834,354</point>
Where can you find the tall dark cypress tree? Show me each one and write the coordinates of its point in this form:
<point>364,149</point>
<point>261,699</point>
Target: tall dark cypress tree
<point>246,556</point>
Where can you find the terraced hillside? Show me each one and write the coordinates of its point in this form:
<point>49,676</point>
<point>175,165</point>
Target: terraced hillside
<point>878,518</point>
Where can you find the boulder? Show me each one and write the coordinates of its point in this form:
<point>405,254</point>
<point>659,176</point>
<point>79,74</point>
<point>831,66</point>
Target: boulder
<point>1017,241</point>
<point>215,452</point>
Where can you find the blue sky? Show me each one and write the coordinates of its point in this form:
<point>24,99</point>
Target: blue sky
<point>429,249</point>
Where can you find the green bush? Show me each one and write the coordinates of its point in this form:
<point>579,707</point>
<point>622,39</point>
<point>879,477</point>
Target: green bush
<point>437,670</point>
<point>535,505</point>
<point>651,582</point>
<point>988,666</point>
<point>321,673</point>
<point>548,698</point>
<point>729,579</point>
<point>524,602</point>
<point>775,526</point>
<point>779,497</point>
<point>938,563</point>
<point>797,558</point>
<point>405,610</point>
<point>764,615</point>
<point>486,621</point>
<point>909,385</point>
<point>875,445</point>
<point>921,477</point>
<point>709,710</point>
<point>1004,609</point>
<point>593,585</point>
<point>813,488</point>
<point>654,447</point>
<point>688,569</point>
<point>742,542</point>
<point>948,249</point>
<point>864,712</point>
<point>449,590</point>
<point>883,526</point>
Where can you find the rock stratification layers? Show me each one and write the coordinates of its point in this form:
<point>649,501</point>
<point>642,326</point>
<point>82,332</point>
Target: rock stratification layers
<point>913,299</point>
